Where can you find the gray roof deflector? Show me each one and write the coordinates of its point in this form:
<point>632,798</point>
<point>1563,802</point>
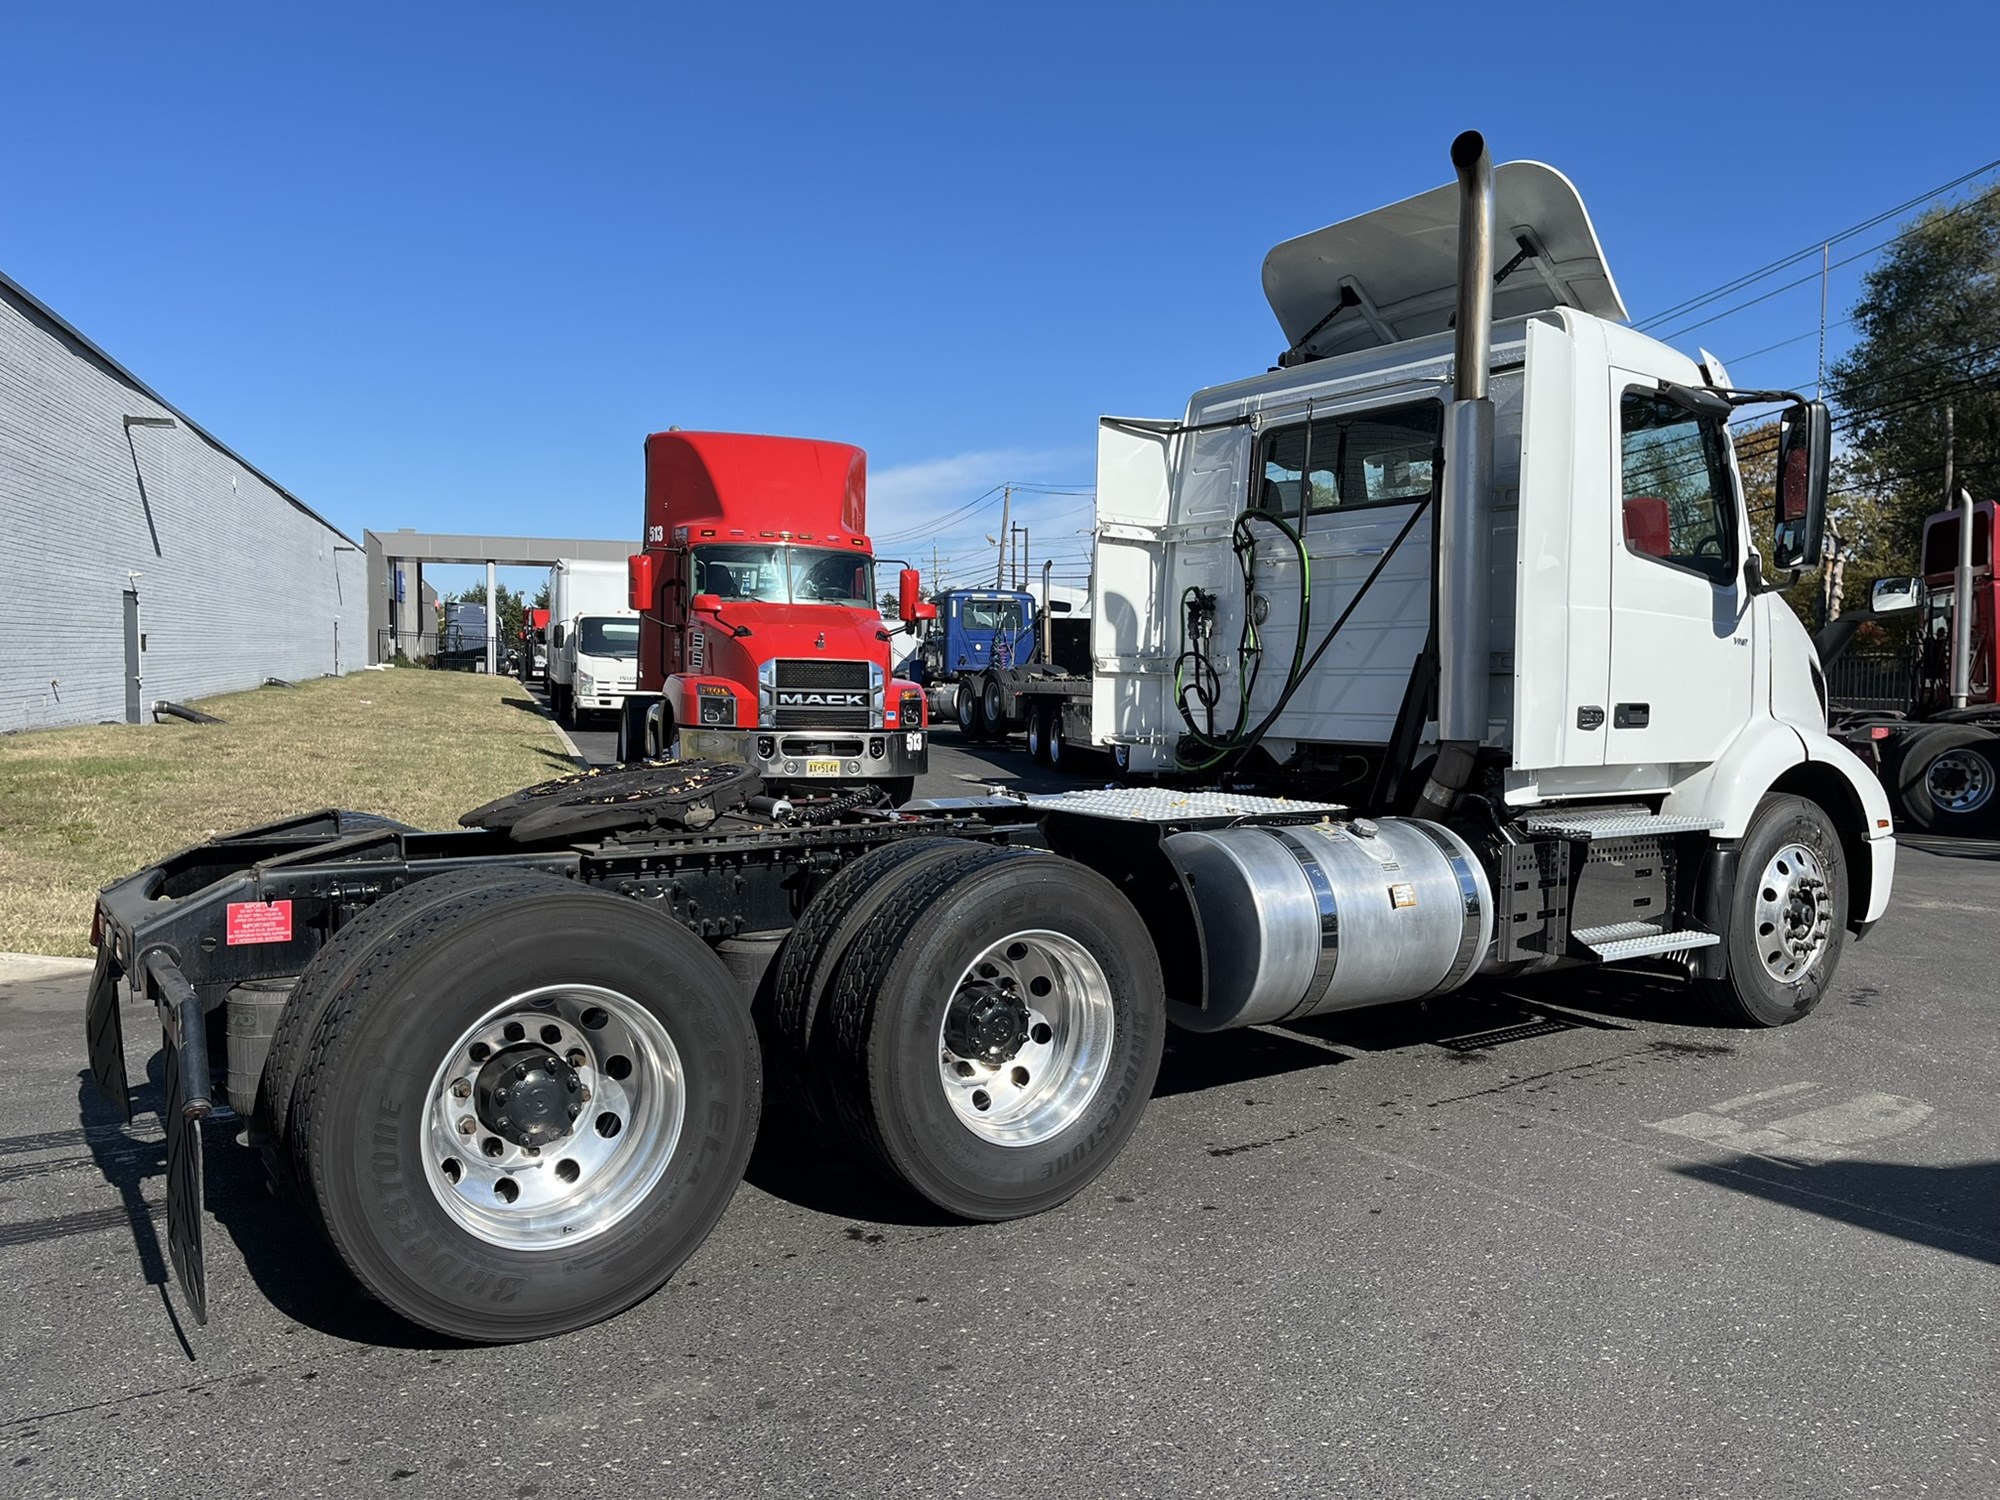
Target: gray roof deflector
<point>1394,269</point>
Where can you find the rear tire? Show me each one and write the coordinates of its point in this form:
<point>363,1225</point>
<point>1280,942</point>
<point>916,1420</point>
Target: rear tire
<point>994,1032</point>
<point>966,708</point>
<point>1945,778</point>
<point>1059,755</point>
<point>544,1221</point>
<point>1787,916</point>
<point>336,963</point>
<point>564,706</point>
<point>992,710</point>
<point>1038,733</point>
<point>811,956</point>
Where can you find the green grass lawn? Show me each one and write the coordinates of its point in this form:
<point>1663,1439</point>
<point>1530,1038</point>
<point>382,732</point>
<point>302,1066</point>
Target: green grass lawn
<point>82,807</point>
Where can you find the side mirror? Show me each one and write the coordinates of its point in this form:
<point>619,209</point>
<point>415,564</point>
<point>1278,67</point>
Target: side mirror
<point>1891,596</point>
<point>908,583</point>
<point>562,635</point>
<point>642,580</point>
<point>925,611</point>
<point>1805,448</point>
<point>705,604</point>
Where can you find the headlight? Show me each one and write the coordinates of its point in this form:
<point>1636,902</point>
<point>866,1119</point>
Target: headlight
<point>718,704</point>
<point>584,685</point>
<point>910,710</point>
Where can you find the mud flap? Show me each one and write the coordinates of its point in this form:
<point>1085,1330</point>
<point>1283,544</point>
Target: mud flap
<point>104,1033</point>
<point>184,1041</point>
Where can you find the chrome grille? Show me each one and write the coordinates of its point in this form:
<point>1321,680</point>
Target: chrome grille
<point>807,693</point>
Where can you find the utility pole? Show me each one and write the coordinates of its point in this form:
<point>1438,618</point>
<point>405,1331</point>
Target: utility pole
<point>1000,562</point>
<point>1961,583</point>
<point>934,570</point>
<point>1819,387</point>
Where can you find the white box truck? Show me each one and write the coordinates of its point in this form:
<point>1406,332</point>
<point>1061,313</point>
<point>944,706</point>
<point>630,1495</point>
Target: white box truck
<point>593,639</point>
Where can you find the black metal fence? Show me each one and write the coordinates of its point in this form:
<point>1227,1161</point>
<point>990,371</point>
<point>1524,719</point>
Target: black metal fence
<point>1878,680</point>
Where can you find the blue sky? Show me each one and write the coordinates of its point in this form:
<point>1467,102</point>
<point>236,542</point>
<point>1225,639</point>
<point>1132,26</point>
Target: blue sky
<point>443,266</point>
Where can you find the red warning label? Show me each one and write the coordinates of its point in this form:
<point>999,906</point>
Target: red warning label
<point>259,922</point>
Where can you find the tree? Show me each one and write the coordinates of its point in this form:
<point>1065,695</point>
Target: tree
<point>1929,324</point>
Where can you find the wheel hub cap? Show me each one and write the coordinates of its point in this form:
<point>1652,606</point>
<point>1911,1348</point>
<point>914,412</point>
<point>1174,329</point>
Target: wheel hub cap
<point>1794,913</point>
<point>986,1022</point>
<point>529,1095</point>
<point>1959,781</point>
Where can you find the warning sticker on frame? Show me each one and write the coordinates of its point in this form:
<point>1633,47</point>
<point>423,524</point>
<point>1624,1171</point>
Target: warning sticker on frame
<point>259,922</point>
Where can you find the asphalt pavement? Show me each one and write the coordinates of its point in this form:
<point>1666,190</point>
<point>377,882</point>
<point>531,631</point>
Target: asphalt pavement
<point>1568,1240</point>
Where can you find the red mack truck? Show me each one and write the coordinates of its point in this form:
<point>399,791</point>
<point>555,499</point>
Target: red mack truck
<point>760,640</point>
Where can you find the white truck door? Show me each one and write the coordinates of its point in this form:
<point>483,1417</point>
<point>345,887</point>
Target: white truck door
<point>1682,661</point>
<point>1135,466</point>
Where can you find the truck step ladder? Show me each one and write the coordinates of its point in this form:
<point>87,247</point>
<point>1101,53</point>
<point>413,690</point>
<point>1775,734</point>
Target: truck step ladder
<point>1623,940</point>
<point>1620,822</point>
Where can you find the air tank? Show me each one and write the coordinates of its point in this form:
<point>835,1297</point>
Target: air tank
<point>1304,919</point>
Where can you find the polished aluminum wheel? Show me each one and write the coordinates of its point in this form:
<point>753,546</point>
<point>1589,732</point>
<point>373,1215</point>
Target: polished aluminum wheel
<point>1794,913</point>
<point>1959,781</point>
<point>553,1116</point>
<point>1026,1038</point>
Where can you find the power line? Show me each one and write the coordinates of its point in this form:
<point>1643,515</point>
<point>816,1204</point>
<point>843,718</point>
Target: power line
<point>1751,278</point>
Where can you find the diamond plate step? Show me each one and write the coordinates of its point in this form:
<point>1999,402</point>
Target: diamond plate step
<point>1613,822</point>
<point>1622,940</point>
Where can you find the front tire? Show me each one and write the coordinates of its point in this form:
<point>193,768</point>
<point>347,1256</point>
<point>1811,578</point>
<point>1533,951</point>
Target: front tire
<point>1787,916</point>
<point>603,1061</point>
<point>995,1032</point>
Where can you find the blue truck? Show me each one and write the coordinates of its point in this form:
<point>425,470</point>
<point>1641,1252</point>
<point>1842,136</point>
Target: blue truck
<point>996,663</point>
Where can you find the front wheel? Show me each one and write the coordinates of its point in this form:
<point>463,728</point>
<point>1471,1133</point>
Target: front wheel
<point>995,1032</point>
<point>545,1136</point>
<point>1787,916</point>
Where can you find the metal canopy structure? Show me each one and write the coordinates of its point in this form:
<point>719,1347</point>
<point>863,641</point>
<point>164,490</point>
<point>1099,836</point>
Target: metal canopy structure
<point>1392,274</point>
<point>396,562</point>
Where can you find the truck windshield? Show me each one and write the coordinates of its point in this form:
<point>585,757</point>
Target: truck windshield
<point>619,638</point>
<point>992,614</point>
<point>785,575</point>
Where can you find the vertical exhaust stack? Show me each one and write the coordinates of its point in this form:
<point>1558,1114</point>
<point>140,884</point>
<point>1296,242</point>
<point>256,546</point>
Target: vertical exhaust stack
<point>1464,524</point>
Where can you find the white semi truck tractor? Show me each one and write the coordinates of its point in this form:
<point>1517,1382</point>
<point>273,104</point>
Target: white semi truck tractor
<point>1446,637</point>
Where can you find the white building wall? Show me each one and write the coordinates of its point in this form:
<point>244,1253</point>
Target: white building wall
<point>237,581</point>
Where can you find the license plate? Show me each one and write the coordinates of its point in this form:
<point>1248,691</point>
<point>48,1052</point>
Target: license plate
<point>822,768</point>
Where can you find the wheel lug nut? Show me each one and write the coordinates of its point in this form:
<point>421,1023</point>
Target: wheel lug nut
<point>585,1096</point>
<point>461,1089</point>
<point>520,1072</point>
<point>467,1125</point>
<point>576,1058</point>
<point>501,1095</point>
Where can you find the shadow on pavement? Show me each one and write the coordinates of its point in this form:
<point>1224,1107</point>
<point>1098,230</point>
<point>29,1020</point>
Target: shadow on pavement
<point>1950,848</point>
<point>1955,1209</point>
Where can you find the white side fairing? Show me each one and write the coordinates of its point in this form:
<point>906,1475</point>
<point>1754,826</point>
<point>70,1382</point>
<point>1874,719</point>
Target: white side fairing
<point>1130,671</point>
<point>1561,658</point>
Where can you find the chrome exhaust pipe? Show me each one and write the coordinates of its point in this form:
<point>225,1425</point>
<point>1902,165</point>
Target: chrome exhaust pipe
<point>1464,525</point>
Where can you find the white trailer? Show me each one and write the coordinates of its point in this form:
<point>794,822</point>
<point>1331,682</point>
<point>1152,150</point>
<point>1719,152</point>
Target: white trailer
<point>593,651</point>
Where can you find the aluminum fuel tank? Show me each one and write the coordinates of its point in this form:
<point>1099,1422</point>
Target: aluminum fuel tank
<point>1300,920</point>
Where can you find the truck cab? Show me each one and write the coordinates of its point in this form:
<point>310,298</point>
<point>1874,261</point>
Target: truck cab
<point>761,640</point>
<point>1290,587</point>
<point>598,656</point>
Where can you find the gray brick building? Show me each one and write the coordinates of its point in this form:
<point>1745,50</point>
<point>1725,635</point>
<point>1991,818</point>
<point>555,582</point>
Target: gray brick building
<point>140,559</point>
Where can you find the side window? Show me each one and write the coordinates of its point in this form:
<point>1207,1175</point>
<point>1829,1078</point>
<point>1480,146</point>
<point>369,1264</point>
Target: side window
<point>1339,463</point>
<point>1679,507</point>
